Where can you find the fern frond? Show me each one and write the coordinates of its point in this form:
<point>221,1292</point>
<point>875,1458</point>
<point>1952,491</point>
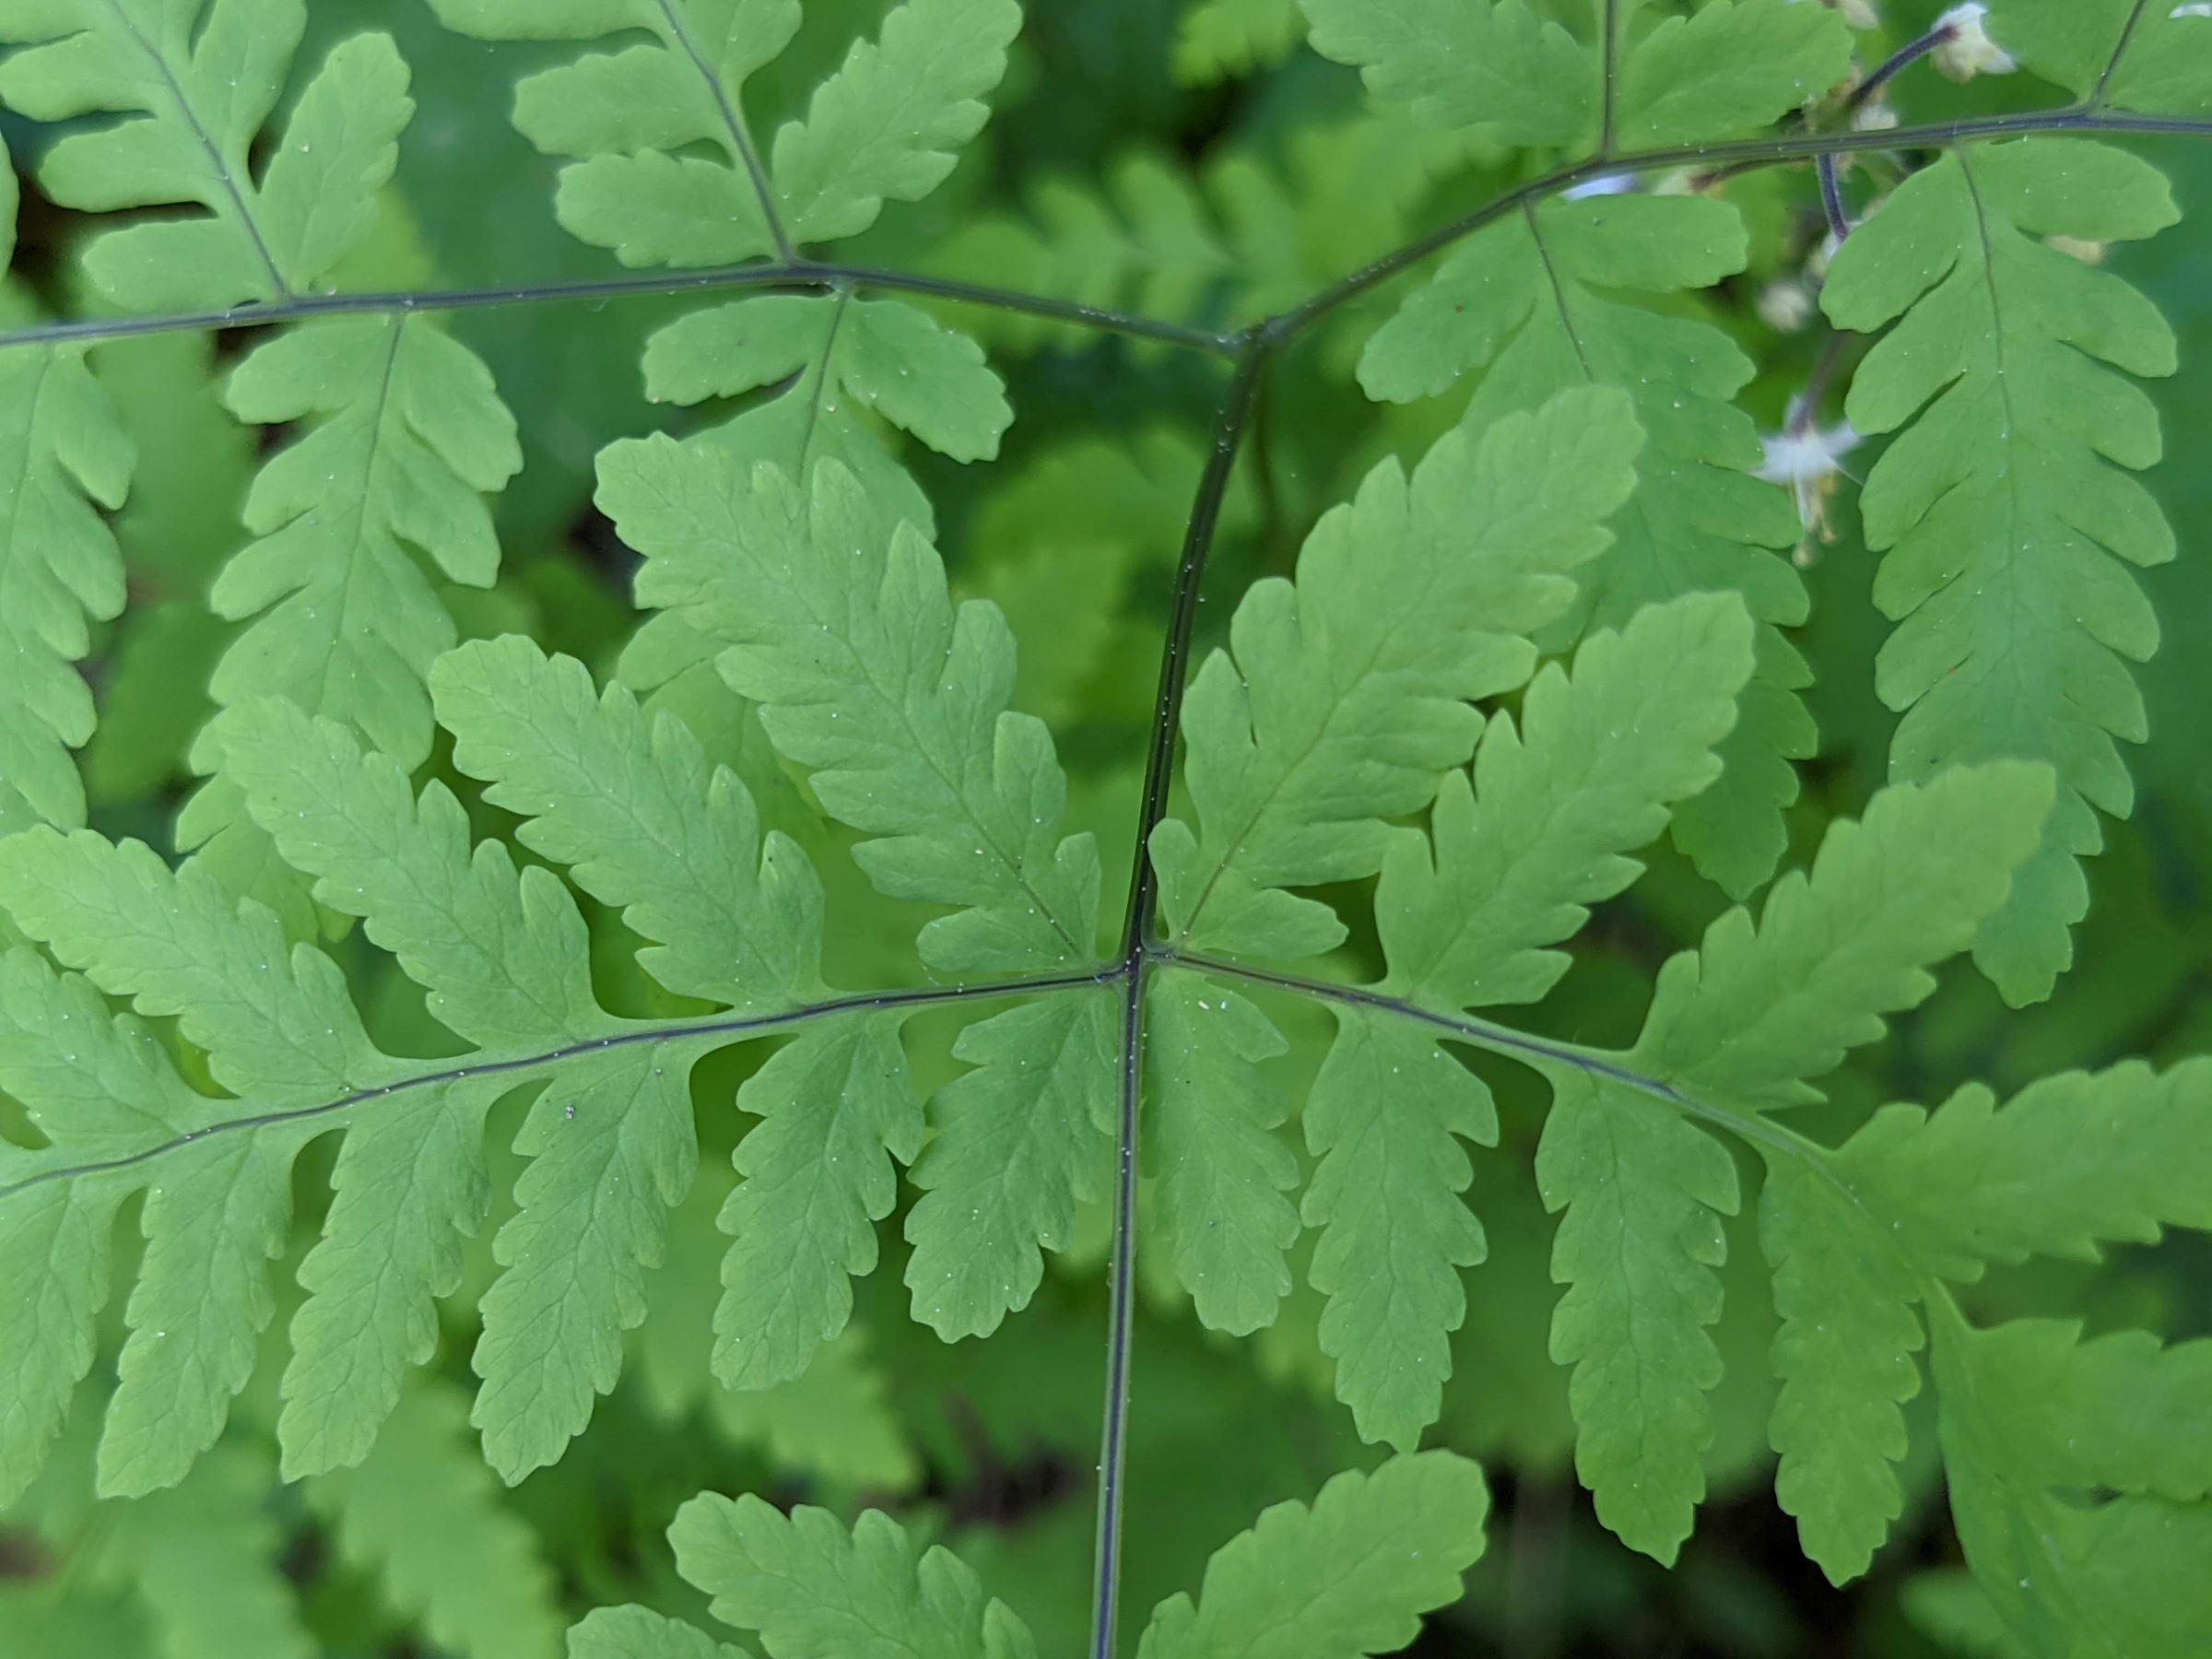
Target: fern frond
<point>838,624</point>
<point>840,356</point>
<point>1344,702</point>
<point>503,957</point>
<point>2004,517</point>
<point>59,568</point>
<point>1532,302</point>
<point>1328,1579</point>
<point>2118,1575</point>
<point>1501,68</point>
<point>197,84</point>
<point>405,431</point>
<point>1252,234</point>
<point>1216,39</point>
<point>1516,861</point>
<point>840,628</point>
<point>885,126</point>
<point>2071,1164</point>
<point>1331,1580</point>
<point>421,1515</point>
<point>1755,1012</point>
<point>2154,59</point>
<point>813,1589</point>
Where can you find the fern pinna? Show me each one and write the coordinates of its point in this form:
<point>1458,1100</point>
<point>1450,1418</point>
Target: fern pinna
<point>969,957</point>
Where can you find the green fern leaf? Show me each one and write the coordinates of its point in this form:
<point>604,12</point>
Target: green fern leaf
<point>886,126</point>
<point>1543,828</point>
<point>1222,1171</point>
<point>503,958</point>
<point>59,566</point>
<point>421,1515</point>
<point>407,436</point>
<point>198,89</point>
<point>640,1633</point>
<point>815,1182</point>
<point>1845,1290</point>
<point>1755,1012</point>
<point>94,1090</point>
<point>1345,701</point>
<point>816,1591</point>
<point>1501,68</point>
<point>1216,39</point>
<point>1532,301</point>
<point>175,943</point>
<point>2004,520</point>
<point>1639,1249</point>
<point>868,675</point>
<point>2072,1163</point>
<point>1022,1140</point>
<point>2150,58</point>
<point>833,1422</point>
<point>1347,1576</point>
<point>2119,1577</point>
<point>1604,755</point>
<point>648,827</point>
<point>842,356</point>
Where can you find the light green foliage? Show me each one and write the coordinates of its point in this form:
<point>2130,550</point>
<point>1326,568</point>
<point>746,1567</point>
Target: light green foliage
<point>503,956</point>
<point>405,434</point>
<point>835,1421</point>
<point>1333,1580</point>
<point>1755,1012</point>
<point>2109,1578</point>
<point>2072,1163</point>
<point>1637,1249</point>
<point>815,1590</point>
<point>1346,701</point>
<point>1222,1173</point>
<point>498,1013</point>
<point>1217,38</point>
<point>1503,68</point>
<point>1534,303</point>
<point>199,83</point>
<point>1542,828</point>
<point>1604,754</point>
<point>839,625</point>
<point>423,1516</point>
<point>60,445</point>
<point>1248,233</point>
<point>2004,520</point>
<point>2160,58</point>
<point>841,359</point>
<point>1022,1139</point>
<point>884,127</point>
<point>1346,1576</point>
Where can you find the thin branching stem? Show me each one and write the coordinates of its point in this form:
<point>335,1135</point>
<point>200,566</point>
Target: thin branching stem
<point>814,274</point>
<point>713,1029</point>
<point>805,276</point>
<point>1896,64</point>
<point>1136,958</point>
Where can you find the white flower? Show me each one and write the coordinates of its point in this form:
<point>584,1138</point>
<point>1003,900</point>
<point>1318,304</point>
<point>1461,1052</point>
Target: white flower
<point>1968,51</point>
<point>1785,305</point>
<point>1859,14</point>
<point>1807,459</point>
